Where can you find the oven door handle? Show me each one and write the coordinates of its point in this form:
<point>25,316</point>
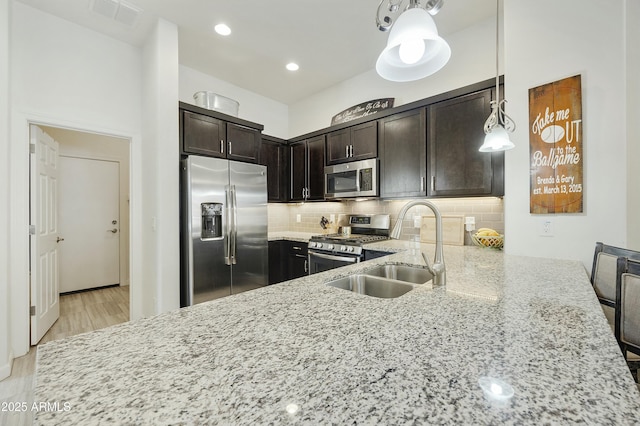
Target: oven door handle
<point>332,257</point>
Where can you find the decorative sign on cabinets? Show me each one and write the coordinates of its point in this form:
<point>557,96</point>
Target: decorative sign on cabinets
<point>362,110</point>
<point>555,147</point>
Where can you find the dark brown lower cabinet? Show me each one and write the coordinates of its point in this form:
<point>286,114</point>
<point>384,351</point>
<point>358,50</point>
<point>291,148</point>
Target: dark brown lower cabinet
<point>287,260</point>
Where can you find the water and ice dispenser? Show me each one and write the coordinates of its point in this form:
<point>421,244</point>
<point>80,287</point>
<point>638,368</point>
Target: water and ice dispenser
<point>211,221</point>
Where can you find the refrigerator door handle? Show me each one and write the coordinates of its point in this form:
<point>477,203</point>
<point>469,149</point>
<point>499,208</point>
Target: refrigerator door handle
<point>227,243</point>
<point>234,229</point>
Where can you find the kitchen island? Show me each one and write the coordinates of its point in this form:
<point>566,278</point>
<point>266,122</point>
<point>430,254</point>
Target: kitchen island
<point>301,352</point>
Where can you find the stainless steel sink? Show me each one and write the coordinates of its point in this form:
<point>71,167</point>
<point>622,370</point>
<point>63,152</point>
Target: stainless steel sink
<point>401,272</point>
<point>372,286</point>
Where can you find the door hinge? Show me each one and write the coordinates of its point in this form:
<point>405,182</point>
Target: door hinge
<point>32,311</point>
<point>32,230</point>
<point>32,148</point>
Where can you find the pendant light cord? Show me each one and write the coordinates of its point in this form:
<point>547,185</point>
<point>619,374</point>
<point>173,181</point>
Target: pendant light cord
<point>497,50</point>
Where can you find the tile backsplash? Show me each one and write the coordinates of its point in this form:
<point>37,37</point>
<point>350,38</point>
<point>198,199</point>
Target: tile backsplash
<point>305,217</point>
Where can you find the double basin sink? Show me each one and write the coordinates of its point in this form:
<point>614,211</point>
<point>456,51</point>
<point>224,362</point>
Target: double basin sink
<point>385,281</point>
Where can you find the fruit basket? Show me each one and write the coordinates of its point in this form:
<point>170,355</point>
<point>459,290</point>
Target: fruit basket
<point>491,241</point>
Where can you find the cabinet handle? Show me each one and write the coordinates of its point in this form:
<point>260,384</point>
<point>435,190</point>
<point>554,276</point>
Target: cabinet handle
<point>346,153</point>
<point>433,183</point>
<point>229,148</point>
<point>306,265</point>
<point>351,150</point>
<point>422,184</point>
<point>221,146</point>
<point>303,192</point>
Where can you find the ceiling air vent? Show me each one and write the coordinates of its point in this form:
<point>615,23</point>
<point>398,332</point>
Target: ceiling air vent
<point>120,11</point>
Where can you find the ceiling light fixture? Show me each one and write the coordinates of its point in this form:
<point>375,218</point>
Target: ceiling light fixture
<point>414,49</point>
<point>499,124</point>
<point>222,29</point>
<point>292,66</point>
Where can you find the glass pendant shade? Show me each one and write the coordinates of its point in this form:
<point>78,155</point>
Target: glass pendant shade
<point>414,48</point>
<point>496,140</point>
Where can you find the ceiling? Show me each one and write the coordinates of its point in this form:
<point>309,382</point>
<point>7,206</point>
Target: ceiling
<point>331,40</point>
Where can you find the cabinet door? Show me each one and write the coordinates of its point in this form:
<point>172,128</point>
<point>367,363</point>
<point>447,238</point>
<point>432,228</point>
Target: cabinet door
<point>353,143</point>
<point>364,141</point>
<point>203,135</point>
<point>277,261</point>
<point>298,262</point>
<point>403,155</point>
<point>315,168</point>
<point>243,143</point>
<point>274,156</point>
<point>298,171</point>
<point>338,146</point>
<point>456,132</point>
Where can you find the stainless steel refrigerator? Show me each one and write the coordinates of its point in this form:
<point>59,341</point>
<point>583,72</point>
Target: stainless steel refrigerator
<point>223,228</point>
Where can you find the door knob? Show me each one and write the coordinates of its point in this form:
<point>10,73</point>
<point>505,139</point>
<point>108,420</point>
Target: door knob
<point>113,231</point>
<point>58,239</point>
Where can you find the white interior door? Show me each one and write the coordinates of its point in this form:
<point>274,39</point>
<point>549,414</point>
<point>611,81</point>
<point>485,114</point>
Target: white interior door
<point>45,306</point>
<point>89,223</point>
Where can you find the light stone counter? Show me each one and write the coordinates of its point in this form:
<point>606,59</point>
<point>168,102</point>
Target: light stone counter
<point>292,236</point>
<point>301,352</point>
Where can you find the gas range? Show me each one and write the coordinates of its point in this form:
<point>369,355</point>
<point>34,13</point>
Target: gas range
<point>364,229</point>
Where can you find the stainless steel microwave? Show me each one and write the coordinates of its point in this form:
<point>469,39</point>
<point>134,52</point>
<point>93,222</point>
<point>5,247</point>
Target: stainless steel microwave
<point>349,180</point>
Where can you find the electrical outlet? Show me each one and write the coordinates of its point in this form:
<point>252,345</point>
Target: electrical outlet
<point>332,218</point>
<point>546,228</point>
<point>470,223</point>
<point>298,218</point>
<point>417,221</point>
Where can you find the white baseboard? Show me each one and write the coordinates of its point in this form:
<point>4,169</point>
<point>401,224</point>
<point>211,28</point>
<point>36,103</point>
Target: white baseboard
<point>5,370</point>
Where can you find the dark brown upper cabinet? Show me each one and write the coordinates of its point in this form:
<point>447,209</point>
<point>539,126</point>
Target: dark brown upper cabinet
<point>204,135</point>
<point>455,133</point>
<point>243,143</point>
<point>307,169</point>
<point>274,153</point>
<point>403,154</point>
<point>213,136</point>
<point>352,143</point>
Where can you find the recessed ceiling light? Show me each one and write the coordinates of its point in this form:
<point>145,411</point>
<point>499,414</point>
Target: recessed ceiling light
<point>222,29</point>
<point>292,66</point>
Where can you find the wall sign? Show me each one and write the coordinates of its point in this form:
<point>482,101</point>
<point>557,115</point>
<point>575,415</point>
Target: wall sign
<point>555,147</point>
<point>362,110</point>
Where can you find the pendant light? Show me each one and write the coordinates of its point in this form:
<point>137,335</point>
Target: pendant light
<point>498,125</point>
<point>414,49</point>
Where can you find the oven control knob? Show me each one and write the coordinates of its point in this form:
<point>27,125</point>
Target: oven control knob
<point>312,244</point>
<point>350,249</point>
<point>319,245</point>
<point>343,248</point>
<point>330,247</point>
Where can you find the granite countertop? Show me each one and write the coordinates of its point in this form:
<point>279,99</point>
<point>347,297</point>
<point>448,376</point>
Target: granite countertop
<point>292,236</point>
<point>301,352</point>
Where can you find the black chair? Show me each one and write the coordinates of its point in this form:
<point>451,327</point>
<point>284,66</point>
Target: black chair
<point>627,324</point>
<point>603,277</point>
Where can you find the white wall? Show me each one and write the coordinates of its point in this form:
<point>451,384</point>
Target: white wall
<point>5,342</point>
<point>546,41</point>
<point>253,107</point>
<point>159,199</point>
<point>632,15</point>
<point>472,60</point>
<point>66,76</point>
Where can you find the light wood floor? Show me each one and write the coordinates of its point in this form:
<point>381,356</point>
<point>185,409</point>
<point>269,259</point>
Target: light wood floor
<point>79,313</point>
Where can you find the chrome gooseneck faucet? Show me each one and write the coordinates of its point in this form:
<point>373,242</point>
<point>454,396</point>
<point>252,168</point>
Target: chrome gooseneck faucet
<point>437,269</point>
